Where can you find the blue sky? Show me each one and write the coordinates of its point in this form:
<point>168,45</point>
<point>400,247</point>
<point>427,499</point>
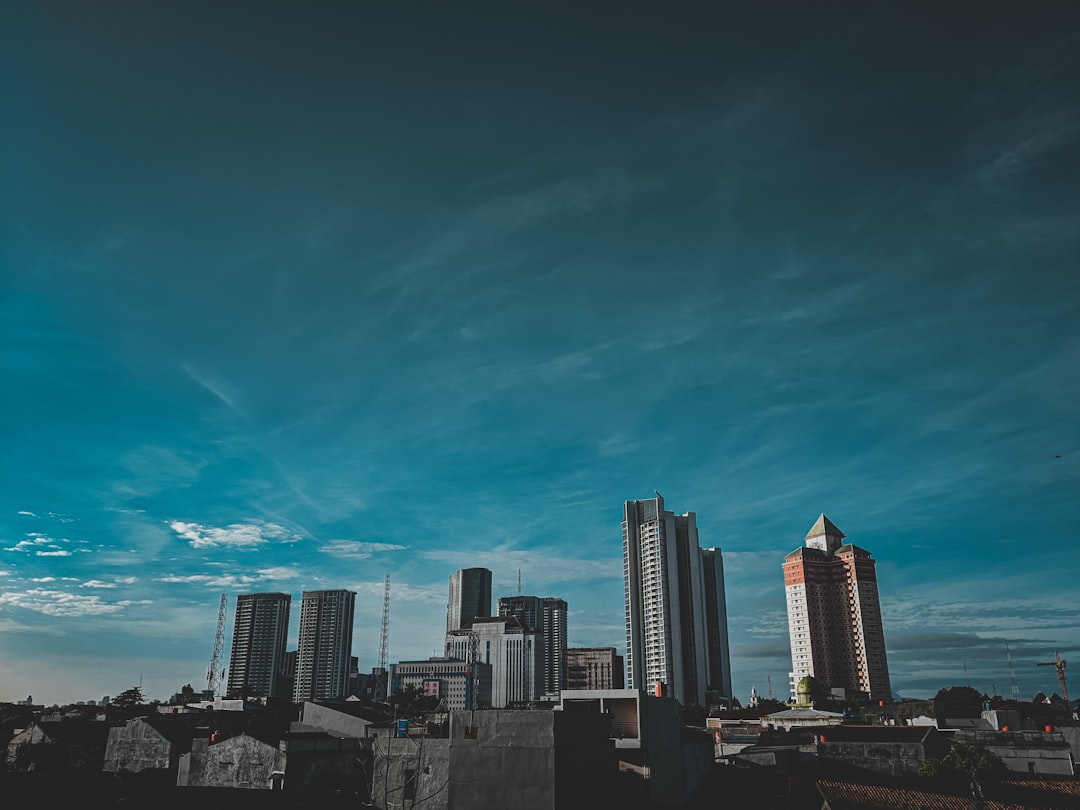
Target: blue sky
<point>296,296</point>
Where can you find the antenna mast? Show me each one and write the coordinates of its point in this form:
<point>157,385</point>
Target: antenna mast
<point>214,672</point>
<point>384,636</point>
<point>1012,675</point>
<point>519,582</point>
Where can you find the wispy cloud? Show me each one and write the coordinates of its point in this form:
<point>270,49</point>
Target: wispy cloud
<point>59,603</point>
<point>236,535</point>
<point>358,549</point>
<point>97,583</point>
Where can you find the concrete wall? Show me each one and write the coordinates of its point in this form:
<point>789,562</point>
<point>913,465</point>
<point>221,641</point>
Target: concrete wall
<point>894,758</point>
<point>585,764</point>
<point>525,760</point>
<point>413,770</point>
<point>138,746</point>
<point>502,759</point>
<point>238,762</point>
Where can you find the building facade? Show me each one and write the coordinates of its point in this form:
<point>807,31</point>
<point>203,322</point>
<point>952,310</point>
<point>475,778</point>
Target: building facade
<point>545,615</point>
<point>667,605</point>
<point>324,651</point>
<point>834,615</point>
<point>470,597</point>
<point>459,684</point>
<point>260,627</point>
<point>514,653</point>
<point>593,668</point>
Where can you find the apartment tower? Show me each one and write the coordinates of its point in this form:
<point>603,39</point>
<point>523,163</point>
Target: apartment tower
<point>676,617</point>
<point>325,649</point>
<point>260,627</point>
<point>834,616</point>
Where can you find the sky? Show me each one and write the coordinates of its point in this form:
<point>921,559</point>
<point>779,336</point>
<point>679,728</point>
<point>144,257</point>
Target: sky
<point>295,296</point>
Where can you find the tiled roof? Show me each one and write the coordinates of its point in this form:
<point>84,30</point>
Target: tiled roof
<point>1027,794</point>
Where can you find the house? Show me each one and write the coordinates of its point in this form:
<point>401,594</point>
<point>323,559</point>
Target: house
<point>1033,752</point>
<point>147,743</point>
<point>243,761</point>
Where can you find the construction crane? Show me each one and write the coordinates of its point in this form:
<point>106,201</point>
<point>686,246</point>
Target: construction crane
<point>1059,664</point>
<point>214,673</point>
<point>384,642</point>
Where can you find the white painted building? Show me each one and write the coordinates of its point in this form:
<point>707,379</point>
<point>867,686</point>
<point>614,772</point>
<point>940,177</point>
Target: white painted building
<point>514,653</point>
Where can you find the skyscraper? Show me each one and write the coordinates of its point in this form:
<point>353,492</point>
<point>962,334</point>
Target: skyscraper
<point>545,615</point>
<point>260,628</point>
<point>470,597</point>
<point>325,647</point>
<point>834,616</point>
<point>670,603</point>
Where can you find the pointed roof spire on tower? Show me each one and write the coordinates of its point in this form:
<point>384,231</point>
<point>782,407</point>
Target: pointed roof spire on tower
<point>823,526</point>
<point>824,535</point>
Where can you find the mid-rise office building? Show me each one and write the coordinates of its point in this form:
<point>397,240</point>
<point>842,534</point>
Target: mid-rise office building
<point>834,615</point>
<point>459,685</point>
<point>324,651</point>
<point>676,615</point>
<point>545,615</point>
<point>593,668</point>
<point>470,597</point>
<point>514,653</point>
<point>260,627</point>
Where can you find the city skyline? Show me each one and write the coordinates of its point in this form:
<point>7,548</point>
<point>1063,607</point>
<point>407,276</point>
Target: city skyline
<point>298,299</point>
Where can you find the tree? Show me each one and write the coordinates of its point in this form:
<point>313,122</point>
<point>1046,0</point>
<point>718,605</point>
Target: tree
<point>410,701</point>
<point>187,694</point>
<point>971,763</point>
<point>129,697</point>
<point>958,701</point>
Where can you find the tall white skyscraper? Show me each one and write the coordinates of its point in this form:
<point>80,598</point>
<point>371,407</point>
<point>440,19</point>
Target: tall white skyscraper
<point>260,628</point>
<point>325,648</point>
<point>470,597</point>
<point>834,615</point>
<point>676,615</point>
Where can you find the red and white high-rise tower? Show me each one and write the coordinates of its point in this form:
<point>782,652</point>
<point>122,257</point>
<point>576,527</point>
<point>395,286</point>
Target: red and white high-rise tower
<point>834,615</point>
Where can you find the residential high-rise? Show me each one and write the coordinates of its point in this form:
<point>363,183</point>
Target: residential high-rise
<point>545,615</point>
<point>676,616</point>
<point>325,648</point>
<point>834,615</point>
<point>260,628</point>
<point>470,597</point>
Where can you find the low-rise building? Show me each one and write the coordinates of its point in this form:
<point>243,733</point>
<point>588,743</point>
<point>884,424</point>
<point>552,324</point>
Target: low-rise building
<point>594,668</point>
<point>527,760</point>
<point>649,739</point>
<point>1032,752</point>
<point>458,684</point>
<point>148,743</point>
<point>243,761</point>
